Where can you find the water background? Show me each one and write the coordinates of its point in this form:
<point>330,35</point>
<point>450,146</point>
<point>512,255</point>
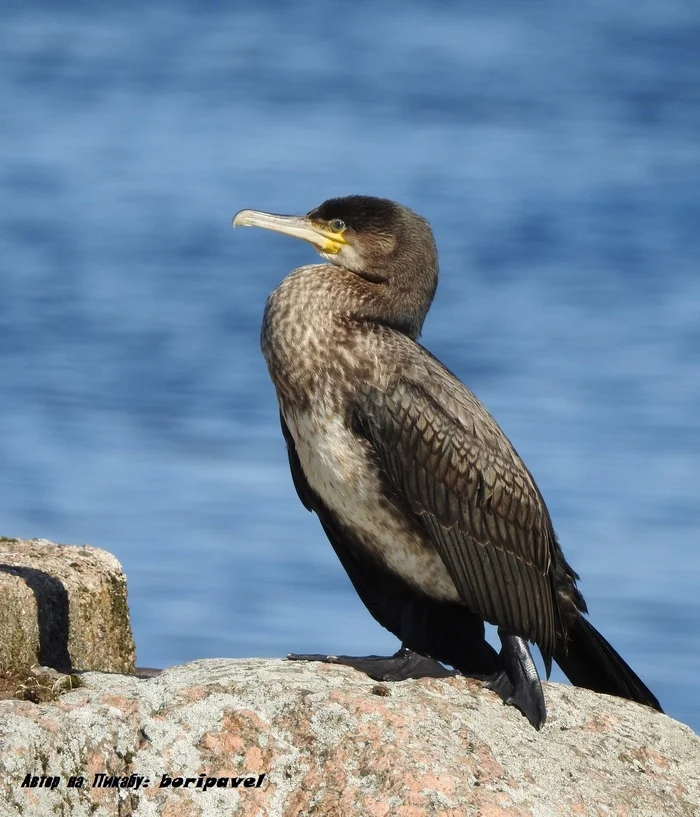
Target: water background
<point>553,146</point>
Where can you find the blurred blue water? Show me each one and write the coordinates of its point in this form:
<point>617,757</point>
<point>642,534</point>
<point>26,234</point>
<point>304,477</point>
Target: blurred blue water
<point>555,150</point>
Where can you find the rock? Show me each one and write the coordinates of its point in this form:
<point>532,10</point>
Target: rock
<point>62,606</point>
<point>330,741</point>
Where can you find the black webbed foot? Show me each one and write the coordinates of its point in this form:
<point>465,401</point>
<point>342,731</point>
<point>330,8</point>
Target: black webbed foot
<point>519,683</point>
<point>401,666</point>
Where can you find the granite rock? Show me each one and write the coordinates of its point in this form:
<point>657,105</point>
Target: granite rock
<point>330,741</point>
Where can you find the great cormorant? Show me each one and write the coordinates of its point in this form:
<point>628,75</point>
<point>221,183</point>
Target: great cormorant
<point>432,513</point>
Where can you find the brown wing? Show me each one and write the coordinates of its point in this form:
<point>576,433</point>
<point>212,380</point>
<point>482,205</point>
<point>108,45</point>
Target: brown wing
<point>453,466</point>
<point>447,632</point>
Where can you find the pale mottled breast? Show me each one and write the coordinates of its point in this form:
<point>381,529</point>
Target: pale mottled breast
<point>318,356</point>
<point>338,468</point>
<point>301,333</point>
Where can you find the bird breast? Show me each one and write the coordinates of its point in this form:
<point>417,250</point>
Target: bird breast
<point>339,468</point>
<point>317,358</point>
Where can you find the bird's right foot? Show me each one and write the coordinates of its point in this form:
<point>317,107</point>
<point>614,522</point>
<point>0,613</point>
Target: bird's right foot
<point>401,666</point>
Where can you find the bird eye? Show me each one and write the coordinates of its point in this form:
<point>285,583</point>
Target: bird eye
<point>337,225</point>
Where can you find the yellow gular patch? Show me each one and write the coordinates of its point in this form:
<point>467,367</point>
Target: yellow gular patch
<point>331,246</point>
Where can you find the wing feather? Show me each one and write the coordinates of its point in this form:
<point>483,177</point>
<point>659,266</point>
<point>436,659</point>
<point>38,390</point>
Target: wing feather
<point>456,470</point>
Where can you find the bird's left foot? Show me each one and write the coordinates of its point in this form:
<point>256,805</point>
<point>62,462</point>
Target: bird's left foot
<point>519,683</point>
<point>401,666</point>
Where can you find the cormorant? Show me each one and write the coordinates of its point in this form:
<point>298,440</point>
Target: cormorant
<point>432,513</point>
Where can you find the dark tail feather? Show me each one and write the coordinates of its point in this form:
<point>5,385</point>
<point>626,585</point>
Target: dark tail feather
<point>591,662</point>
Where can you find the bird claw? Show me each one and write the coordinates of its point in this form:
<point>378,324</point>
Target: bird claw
<point>403,665</point>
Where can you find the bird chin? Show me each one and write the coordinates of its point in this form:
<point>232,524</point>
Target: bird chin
<point>347,257</point>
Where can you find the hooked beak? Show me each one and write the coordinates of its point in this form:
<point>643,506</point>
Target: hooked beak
<point>318,234</point>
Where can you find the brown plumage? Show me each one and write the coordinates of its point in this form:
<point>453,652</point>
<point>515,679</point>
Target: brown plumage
<point>431,511</point>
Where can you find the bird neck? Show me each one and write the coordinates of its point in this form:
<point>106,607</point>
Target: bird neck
<point>315,330</point>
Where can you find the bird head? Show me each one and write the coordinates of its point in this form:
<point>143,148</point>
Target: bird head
<point>382,242</point>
